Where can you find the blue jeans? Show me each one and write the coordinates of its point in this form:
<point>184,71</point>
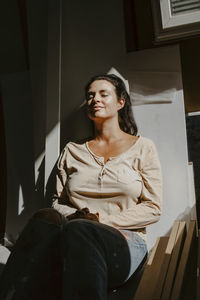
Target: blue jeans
<point>137,248</point>
<point>75,260</point>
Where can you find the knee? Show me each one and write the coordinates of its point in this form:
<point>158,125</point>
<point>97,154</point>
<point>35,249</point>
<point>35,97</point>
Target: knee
<point>79,228</point>
<point>76,224</point>
<point>48,215</point>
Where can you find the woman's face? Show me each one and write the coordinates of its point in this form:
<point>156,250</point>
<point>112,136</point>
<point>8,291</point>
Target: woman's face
<point>102,101</point>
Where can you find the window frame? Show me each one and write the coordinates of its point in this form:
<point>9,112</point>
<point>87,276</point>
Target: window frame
<point>169,27</point>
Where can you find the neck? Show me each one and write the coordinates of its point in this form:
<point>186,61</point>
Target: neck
<point>108,131</point>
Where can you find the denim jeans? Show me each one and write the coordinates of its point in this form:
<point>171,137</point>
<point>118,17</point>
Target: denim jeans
<point>137,248</point>
<point>75,260</point>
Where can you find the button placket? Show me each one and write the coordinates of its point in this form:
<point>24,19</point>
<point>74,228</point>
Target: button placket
<point>102,173</point>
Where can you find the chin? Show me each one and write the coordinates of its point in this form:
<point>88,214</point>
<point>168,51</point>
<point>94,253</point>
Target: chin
<point>96,115</point>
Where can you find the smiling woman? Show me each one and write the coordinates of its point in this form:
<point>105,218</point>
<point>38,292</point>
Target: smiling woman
<point>102,98</point>
<point>108,191</point>
<point>118,90</point>
<point>117,175</point>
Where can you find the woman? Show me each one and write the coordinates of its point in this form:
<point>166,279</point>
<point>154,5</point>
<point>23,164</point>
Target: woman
<point>108,191</point>
<point>116,175</point>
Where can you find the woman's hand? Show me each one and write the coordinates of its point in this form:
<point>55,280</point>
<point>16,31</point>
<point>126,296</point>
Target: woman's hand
<point>84,213</point>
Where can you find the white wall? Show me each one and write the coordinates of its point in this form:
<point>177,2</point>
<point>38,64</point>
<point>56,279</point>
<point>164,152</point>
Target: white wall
<point>165,125</point>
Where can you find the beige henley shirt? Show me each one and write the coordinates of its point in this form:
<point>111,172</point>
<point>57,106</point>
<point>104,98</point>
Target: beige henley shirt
<point>126,191</point>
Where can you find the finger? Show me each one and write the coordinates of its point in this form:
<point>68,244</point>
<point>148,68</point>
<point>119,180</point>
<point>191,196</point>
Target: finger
<point>85,210</point>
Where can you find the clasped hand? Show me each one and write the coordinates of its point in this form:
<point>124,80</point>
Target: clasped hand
<point>84,213</point>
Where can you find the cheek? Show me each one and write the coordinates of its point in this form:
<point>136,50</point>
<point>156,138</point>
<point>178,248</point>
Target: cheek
<point>112,106</point>
<point>110,101</point>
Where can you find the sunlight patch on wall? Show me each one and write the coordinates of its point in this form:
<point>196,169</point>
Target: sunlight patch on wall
<point>20,201</point>
<point>38,163</point>
<point>52,150</point>
<point>48,157</point>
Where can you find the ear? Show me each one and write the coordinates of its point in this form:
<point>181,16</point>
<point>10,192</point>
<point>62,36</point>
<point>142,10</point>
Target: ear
<point>121,103</point>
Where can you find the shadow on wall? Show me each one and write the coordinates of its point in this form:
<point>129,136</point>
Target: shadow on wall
<point>25,193</point>
<point>76,127</point>
<point>193,139</point>
<point>22,199</point>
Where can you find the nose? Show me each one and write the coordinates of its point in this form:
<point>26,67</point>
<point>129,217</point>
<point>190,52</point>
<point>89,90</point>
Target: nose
<point>97,97</point>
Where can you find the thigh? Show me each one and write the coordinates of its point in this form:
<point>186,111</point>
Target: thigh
<point>34,262</point>
<point>100,245</point>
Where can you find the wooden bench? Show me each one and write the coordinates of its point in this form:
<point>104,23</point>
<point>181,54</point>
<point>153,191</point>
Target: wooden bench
<point>171,270</point>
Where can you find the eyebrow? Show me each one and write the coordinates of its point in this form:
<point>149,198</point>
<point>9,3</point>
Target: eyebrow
<point>99,91</point>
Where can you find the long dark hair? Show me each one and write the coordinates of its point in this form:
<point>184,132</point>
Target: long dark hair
<point>126,119</point>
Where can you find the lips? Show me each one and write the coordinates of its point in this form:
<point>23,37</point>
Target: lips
<point>97,107</point>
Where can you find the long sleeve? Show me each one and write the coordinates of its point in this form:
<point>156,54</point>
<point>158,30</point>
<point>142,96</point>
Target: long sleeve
<point>60,200</point>
<point>148,208</point>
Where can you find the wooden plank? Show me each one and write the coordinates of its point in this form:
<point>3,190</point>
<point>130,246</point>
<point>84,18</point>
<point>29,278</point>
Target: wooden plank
<point>175,258</point>
<point>185,283</point>
<point>166,261</point>
<point>149,279</point>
